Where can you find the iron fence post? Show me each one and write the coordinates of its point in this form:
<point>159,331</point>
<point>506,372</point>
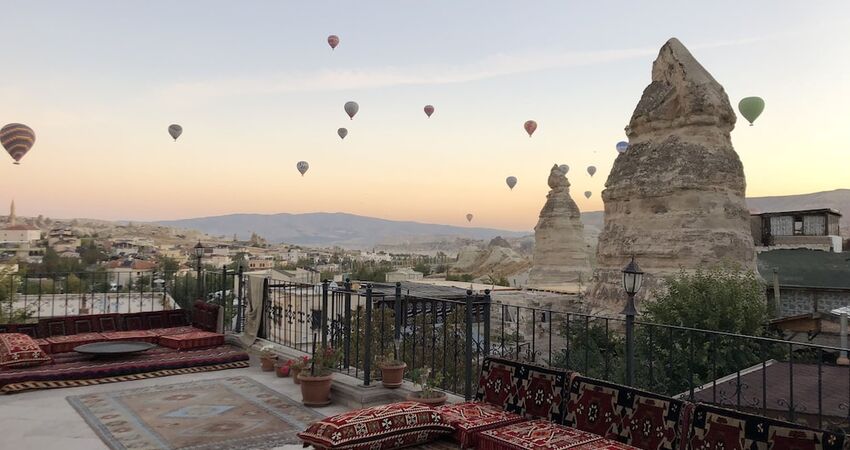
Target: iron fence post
<point>239,313</point>
<point>367,358</point>
<point>486,306</point>
<point>324,313</point>
<point>467,389</point>
<point>397,308</point>
<point>630,311</point>
<point>347,325</point>
<point>265,309</point>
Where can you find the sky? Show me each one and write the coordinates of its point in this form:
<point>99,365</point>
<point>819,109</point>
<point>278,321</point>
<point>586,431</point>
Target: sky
<point>257,89</point>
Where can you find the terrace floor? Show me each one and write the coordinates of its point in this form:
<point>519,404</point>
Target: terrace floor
<point>45,419</point>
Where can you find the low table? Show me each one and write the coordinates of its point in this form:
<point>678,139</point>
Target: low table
<point>113,349</point>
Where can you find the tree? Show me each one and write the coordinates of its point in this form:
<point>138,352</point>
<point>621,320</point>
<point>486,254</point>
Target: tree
<point>91,254</point>
<point>167,265</point>
<point>723,299</point>
<point>423,268</point>
<point>8,286</point>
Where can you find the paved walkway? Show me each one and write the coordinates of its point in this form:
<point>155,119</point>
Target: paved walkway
<point>44,419</point>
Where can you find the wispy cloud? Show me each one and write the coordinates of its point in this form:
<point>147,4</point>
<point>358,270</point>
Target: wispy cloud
<point>367,78</point>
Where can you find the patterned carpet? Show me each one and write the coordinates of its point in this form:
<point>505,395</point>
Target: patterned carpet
<point>219,414</point>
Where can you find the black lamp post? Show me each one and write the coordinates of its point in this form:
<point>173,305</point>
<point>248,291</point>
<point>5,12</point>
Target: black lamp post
<point>199,255</point>
<point>632,279</point>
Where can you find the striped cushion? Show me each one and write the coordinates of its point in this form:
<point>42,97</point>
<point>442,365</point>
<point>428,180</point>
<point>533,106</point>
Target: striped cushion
<point>195,339</point>
<point>62,344</point>
<point>135,335</point>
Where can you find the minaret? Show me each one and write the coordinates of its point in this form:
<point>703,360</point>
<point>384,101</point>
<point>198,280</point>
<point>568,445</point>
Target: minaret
<point>12,213</point>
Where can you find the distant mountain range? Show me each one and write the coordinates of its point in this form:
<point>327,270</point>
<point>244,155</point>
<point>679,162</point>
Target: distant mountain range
<point>327,229</point>
<point>353,231</point>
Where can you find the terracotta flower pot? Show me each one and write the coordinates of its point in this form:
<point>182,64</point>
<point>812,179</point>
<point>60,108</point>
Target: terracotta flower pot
<point>392,376</point>
<point>294,371</point>
<point>267,363</point>
<point>432,401</point>
<point>281,369</point>
<point>315,391</point>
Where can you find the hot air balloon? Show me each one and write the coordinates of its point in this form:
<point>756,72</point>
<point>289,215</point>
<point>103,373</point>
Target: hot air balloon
<point>591,170</point>
<point>751,108</point>
<point>564,168</point>
<point>530,126</point>
<point>175,130</point>
<point>469,217</point>
<point>587,194</point>
<point>429,109</point>
<point>622,146</point>
<point>342,132</point>
<point>302,167</point>
<point>351,109</point>
<point>17,139</point>
<point>333,41</point>
<point>511,181</point>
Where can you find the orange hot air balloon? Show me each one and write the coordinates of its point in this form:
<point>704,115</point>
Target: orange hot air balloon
<point>333,41</point>
<point>429,109</point>
<point>17,139</point>
<point>530,126</point>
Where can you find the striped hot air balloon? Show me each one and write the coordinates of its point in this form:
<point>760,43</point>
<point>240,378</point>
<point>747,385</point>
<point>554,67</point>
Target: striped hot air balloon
<point>17,139</point>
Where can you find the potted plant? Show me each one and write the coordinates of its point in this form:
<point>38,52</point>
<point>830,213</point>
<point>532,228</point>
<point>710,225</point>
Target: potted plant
<point>297,366</point>
<point>426,381</point>
<point>282,368</point>
<point>267,358</point>
<point>392,369</point>
<point>316,378</point>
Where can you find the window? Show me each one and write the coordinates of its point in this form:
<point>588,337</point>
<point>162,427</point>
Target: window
<point>798,225</point>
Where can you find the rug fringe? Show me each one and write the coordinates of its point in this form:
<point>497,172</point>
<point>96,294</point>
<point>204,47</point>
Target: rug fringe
<point>34,385</point>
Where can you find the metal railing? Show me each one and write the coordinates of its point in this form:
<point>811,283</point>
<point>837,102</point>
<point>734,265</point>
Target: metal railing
<point>29,297</point>
<point>762,374</point>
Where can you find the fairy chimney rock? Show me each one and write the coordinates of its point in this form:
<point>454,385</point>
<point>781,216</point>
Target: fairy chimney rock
<point>560,250</point>
<point>675,199</point>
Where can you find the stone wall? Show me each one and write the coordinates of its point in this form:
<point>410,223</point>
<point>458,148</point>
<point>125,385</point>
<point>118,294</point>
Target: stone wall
<point>796,301</point>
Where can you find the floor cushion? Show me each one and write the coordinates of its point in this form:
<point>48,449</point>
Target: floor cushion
<point>381,428</point>
<point>169,331</point>
<point>194,339</point>
<point>539,434</point>
<point>62,344</point>
<point>44,345</point>
<point>540,392</point>
<point>20,350</point>
<point>135,335</point>
<point>628,415</point>
<point>497,384</point>
<point>716,428</point>
<point>469,419</point>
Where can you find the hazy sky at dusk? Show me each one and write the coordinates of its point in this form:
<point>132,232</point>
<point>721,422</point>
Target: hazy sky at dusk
<point>256,88</point>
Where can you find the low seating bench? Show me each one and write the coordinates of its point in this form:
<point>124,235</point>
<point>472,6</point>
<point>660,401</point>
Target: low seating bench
<point>61,334</point>
<point>521,406</point>
<point>187,343</point>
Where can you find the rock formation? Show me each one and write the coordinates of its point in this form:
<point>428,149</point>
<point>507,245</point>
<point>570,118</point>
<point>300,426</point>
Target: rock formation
<point>560,249</point>
<point>675,199</point>
<point>497,259</point>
